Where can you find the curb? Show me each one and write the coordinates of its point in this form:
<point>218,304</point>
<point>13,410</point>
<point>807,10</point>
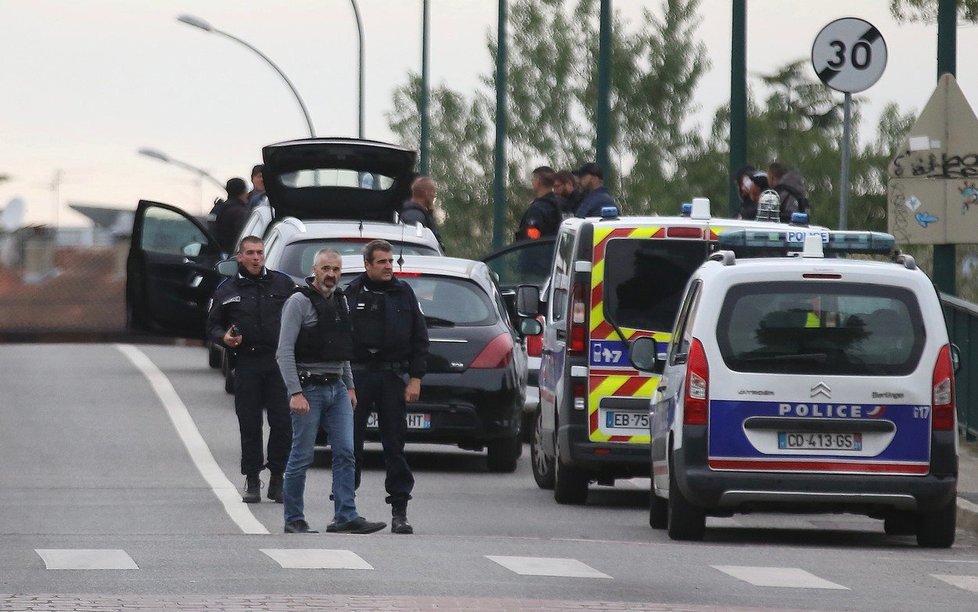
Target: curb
<point>967,515</point>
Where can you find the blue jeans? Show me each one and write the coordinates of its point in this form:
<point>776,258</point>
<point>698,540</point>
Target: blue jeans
<point>329,408</point>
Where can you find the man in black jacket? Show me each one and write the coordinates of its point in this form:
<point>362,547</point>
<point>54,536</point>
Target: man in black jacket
<point>245,317</point>
<point>390,348</point>
<point>421,207</point>
<point>543,216</point>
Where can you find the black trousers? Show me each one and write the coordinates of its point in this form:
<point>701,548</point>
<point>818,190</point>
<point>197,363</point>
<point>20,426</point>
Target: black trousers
<point>258,386</point>
<point>382,391</point>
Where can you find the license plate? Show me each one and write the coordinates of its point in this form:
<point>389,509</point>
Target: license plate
<point>790,440</point>
<point>415,420</point>
<point>618,419</point>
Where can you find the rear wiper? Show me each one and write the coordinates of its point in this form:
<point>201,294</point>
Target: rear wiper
<point>438,322</point>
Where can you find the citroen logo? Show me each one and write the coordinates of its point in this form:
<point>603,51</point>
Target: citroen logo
<point>822,389</point>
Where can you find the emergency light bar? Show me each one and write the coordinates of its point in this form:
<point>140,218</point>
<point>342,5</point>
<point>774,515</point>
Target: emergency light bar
<point>793,240</point>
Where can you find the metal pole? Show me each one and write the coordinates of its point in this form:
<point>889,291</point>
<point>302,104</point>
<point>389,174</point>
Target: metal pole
<point>738,98</point>
<point>945,268</point>
<point>356,13</point>
<point>603,116</point>
<point>499,178</point>
<point>425,113</point>
<point>844,180</point>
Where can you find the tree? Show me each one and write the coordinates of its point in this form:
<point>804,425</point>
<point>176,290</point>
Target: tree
<point>925,11</point>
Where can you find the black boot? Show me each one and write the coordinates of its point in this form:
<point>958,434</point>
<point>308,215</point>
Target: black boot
<point>399,522</point>
<point>252,493</point>
<point>275,488</point>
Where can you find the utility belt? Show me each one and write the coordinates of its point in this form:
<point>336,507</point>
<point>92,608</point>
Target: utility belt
<point>307,378</point>
<point>398,367</point>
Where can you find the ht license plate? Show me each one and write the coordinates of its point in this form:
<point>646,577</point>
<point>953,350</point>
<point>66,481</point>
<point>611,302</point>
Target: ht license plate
<point>789,440</point>
<point>415,420</point>
<point>620,419</point>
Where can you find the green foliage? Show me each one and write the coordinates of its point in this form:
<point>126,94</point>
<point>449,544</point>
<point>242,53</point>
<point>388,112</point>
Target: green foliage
<point>925,11</point>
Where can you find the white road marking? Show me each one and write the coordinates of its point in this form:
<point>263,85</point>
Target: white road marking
<point>790,577</point>
<point>200,454</point>
<point>544,566</point>
<point>968,583</point>
<point>85,559</point>
<point>316,558</point>
<point>640,483</point>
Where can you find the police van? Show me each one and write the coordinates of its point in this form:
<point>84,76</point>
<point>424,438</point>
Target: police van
<point>810,383</point>
<point>612,279</point>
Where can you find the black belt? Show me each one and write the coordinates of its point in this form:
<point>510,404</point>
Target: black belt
<point>306,379</point>
<point>396,366</point>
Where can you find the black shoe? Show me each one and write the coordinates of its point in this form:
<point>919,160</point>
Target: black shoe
<point>275,488</point>
<point>357,525</point>
<point>298,526</point>
<point>400,524</point>
<point>252,492</point>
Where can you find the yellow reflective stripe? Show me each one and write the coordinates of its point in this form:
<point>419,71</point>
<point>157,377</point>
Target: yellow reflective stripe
<point>812,320</point>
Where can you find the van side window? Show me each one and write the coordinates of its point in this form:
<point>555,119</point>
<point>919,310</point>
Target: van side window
<point>563,261</point>
<point>682,335</point>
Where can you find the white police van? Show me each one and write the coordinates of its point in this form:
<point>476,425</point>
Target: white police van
<point>806,384</point>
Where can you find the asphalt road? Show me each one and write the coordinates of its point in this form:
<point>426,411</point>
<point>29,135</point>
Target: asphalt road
<point>120,475</point>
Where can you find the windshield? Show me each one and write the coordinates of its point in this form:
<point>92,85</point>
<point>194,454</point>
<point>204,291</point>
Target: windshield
<point>644,280</point>
<point>820,328</point>
<point>297,257</point>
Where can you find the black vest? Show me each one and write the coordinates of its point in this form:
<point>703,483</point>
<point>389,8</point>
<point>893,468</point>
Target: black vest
<point>332,338</point>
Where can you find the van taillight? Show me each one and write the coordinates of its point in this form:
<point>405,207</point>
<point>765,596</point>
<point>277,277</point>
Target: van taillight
<point>697,392</point>
<point>497,354</point>
<point>579,390</point>
<point>534,344</point>
<point>942,402</point>
<point>578,321</point>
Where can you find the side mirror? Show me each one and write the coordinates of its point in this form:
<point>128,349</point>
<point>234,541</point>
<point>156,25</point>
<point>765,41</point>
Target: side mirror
<point>192,249</point>
<point>527,300</point>
<point>228,267</point>
<point>643,353</point>
<point>530,326</point>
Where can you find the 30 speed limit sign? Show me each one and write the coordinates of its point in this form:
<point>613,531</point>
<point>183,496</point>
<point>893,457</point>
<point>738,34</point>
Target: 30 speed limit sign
<point>849,55</point>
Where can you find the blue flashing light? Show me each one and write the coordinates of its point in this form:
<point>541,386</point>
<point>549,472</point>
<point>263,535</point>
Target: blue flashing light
<point>794,240</point>
<point>799,218</point>
<point>609,212</point>
<point>686,209</point>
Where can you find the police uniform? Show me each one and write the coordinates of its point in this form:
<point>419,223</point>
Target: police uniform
<point>390,346</point>
<point>254,305</point>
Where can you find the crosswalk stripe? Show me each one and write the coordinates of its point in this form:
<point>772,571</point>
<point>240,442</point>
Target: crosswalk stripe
<point>85,559</point>
<point>968,583</point>
<point>546,566</point>
<point>790,577</point>
<point>316,558</point>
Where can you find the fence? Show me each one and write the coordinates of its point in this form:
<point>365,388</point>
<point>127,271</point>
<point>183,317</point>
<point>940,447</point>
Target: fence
<point>962,326</point>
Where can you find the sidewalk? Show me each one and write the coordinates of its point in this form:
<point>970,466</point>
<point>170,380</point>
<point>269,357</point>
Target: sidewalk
<point>968,486</point>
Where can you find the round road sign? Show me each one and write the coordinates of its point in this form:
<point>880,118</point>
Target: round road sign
<point>849,55</point>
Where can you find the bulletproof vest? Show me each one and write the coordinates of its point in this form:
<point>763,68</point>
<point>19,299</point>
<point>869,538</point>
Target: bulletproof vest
<point>332,337</point>
<point>369,317</point>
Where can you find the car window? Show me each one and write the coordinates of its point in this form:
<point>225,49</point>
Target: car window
<point>297,257</point>
<point>644,280</point>
<point>563,257</point>
<point>683,337</point>
<point>526,264</point>
<point>455,300</point>
<point>336,177</point>
<point>168,232</point>
<point>820,328</point>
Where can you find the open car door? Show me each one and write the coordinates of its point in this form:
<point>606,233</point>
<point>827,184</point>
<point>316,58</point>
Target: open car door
<point>170,272</point>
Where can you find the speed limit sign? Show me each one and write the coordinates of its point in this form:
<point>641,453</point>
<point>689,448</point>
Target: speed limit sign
<point>849,55</point>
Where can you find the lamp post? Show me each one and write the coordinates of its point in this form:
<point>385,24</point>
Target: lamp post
<point>424,102</point>
<point>356,13</point>
<point>200,172</point>
<point>207,27</point>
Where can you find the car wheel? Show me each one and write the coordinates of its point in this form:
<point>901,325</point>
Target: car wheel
<point>685,521</point>
<point>214,355</point>
<point>936,530</point>
<point>658,510</point>
<point>570,483</point>
<point>543,464</point>
<point>504,453</point>
<point>900,524</point>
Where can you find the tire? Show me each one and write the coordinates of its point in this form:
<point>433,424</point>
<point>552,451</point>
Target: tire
<point>542,464</point>
<point>504,454</point>
<point>936,530</point>
<point>685,521</point>
<point>658,510</point>
<point>570,483</point>
<point>214,355</point>
<point>900,524</point>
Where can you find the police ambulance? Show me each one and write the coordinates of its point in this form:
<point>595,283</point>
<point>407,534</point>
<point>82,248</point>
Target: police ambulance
<point>808,383</point>
<point>612,279</point>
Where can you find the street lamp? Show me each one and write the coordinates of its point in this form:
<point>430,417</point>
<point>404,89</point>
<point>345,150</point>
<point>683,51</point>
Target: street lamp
<point>356,13</point>
<point>207,27</point>
<point>200,172</point>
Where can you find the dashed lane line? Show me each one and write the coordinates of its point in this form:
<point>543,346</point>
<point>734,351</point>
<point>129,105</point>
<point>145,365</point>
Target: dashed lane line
<point>316,558</point>
<point>789,577</point>
<point>85,559</point>
<point>546,566</point>
<point>200,454</point>
<point>968,583</point>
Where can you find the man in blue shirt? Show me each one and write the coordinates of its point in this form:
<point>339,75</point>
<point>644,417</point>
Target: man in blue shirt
<point>596,196</point>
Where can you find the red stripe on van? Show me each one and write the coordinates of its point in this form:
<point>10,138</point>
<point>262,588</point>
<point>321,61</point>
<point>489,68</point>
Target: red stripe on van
<point>776,465</point>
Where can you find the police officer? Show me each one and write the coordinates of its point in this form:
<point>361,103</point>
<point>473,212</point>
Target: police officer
<point>245,317</point>
<point>314,349</point>
<point>390,347</point>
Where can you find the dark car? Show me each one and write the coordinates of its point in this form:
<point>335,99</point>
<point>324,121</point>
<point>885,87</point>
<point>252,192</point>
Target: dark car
<point>473,392</point>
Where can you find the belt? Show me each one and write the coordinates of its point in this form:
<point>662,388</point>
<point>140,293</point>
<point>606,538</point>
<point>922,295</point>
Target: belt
<point>306,379</point>
<point>380,365</point>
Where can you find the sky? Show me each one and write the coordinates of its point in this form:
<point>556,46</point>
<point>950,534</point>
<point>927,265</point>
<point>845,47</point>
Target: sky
<point>86,84</point>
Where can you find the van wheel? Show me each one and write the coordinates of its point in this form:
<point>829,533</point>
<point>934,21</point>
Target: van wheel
<point>543,464</point>
<point>685,521</point>
<point>658,510</point>
<point>570,483</point>
<point>936,530</point>
<point>900,524</point>
<point>504,453</point>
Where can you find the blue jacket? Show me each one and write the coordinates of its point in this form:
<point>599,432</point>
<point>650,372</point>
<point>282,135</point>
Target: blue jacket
<point>593,202</point>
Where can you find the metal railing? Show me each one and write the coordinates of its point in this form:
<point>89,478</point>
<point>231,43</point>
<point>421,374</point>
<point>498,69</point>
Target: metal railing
<point>962,327</point>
